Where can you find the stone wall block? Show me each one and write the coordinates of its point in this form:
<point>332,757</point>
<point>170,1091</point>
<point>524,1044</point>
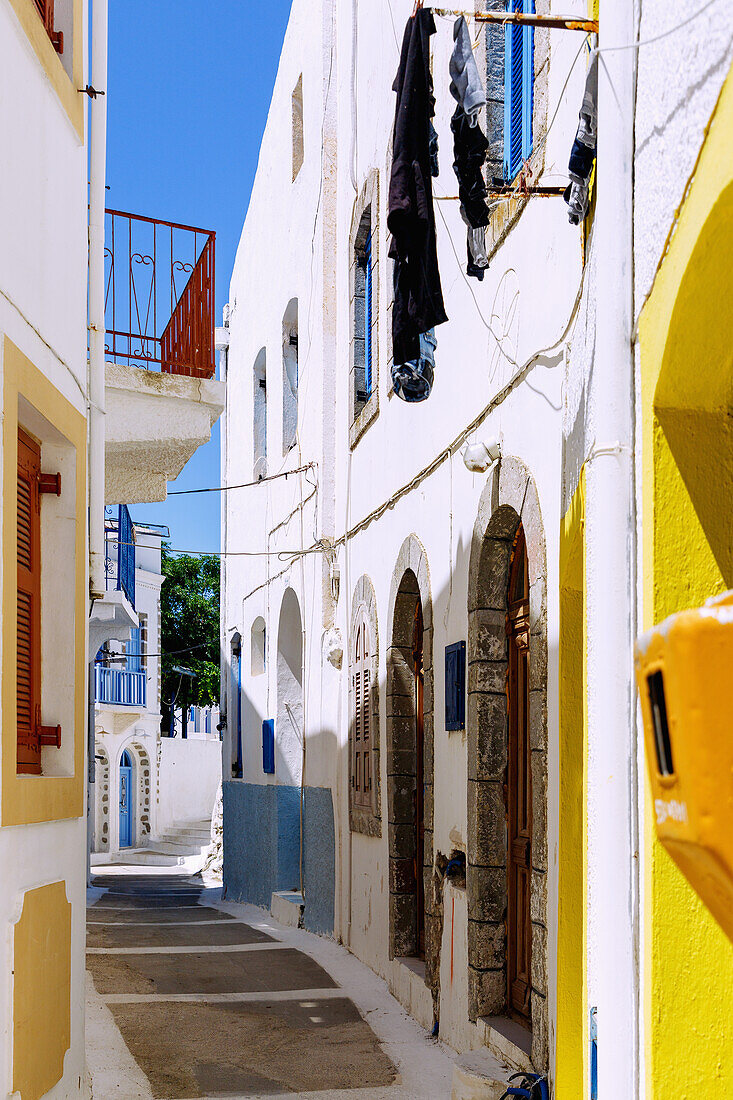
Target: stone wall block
<point>486,824</point>
<point>400,673</point>
<point>487,640</point>
<point>486,992</point>
<point>401,762</point>
<point>491,586</point>
<point>486,887</point>
<point>539,810</point>
<point>402,876</point>
<point>487,676</point>
<point>538,721</point>
<point>401,841</point>
<point>538,897</point>
<point>404,924</point>
<point>538,663</point>
<point>401,791</point>
<point>487,715</point>
<point>540,1039</point>
<point>538,605</point>
<point>539,959</point>
<point>486,945</point>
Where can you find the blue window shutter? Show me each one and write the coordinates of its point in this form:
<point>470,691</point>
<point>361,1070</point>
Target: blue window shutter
<point>268,746</point>
<point>368,321</point>
<point>455,686</point>
<point>518,89</point>
<point>134,659</point>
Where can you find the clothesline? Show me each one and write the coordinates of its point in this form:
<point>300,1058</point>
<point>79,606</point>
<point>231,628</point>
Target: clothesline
<point>551,22</point>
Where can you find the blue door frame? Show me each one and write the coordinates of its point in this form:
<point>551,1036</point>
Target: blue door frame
<point>125,801</point>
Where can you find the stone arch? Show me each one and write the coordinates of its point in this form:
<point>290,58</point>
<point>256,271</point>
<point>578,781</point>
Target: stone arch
<point>410,588</point>
<point>142,791</point>
<point>101,814</point>
<point>509,498</point>
<point>364,601</point>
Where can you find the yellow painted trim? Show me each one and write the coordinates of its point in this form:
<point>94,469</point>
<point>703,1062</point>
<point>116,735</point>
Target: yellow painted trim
<point>71,99</point>
<point>41,991</point>
<point>30,798</point>
<point>688,962</point>
<point>572,1031</point>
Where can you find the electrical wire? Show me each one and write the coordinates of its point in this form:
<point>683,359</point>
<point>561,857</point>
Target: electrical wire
<point>244,484</point>
<point>658,37</point>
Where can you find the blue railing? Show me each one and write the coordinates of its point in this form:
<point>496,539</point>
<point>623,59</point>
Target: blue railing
<point>120,567</point>
<point>119,687</point>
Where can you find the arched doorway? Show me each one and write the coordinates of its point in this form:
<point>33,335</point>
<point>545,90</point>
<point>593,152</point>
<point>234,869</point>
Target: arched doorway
<point>414,926</point>
<point>507,758</point>
<point>127,797</point>
<point>519,788</point>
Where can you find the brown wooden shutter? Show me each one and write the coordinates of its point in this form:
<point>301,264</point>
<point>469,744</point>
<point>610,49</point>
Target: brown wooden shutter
<point>45,10</point>
<point>29,606</point>
<point>361,774</point>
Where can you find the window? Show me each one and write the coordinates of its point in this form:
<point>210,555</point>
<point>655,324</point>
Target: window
<point>455,686</point>
<point>290,376</point>
<point>258,651</point>
<point>143,639</point>
<point>46,12</point>
<point>364,313</point>
<point>260,415</point>
<point>134,650</point>
<point>518,90</point>
<point>361,682</point>
<point>31,735</point>
<point>298,144</point>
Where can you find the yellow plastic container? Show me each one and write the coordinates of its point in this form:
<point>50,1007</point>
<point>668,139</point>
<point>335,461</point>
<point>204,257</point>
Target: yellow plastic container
<point>684,672</point>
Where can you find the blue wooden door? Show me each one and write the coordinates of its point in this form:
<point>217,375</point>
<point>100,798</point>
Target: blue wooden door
<point>125,801</point>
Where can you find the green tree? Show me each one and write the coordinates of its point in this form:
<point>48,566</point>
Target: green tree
<point>189,612</point>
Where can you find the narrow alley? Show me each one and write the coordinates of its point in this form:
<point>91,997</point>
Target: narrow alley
<point>192,997</point>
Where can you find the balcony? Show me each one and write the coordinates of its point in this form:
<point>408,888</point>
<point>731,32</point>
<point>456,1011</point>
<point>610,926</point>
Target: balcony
<point>119,687</point>
<point>119,554</point>
<point>161,392</point>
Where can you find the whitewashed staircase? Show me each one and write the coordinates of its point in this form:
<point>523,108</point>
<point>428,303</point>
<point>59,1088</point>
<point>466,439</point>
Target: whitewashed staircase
<point>183,845</point>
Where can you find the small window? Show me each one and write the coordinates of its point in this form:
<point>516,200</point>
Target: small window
<point>133,650</point>
<point>361,750</point>
<point>518,90</point>
<point>45,9</point>
<point>259,641</point>
<point>143,640</point>
<point>364,313</point>
<point>455,686</point>
<point>260,415</point>
<point>298,143</point>
<point>290,376</point>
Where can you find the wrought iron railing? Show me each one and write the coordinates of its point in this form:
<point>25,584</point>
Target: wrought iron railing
<point>119,556</point>
<point>119,686</point>
<point>159,304</point>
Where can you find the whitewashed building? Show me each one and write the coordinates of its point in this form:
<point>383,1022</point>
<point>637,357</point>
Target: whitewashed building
<point>431,739</point>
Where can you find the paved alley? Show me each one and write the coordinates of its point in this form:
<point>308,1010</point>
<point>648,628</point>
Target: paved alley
<point>187,998</point>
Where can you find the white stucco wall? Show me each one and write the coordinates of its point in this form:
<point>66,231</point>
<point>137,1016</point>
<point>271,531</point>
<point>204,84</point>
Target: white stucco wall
<point>523,306</point>
<point>189,777</point>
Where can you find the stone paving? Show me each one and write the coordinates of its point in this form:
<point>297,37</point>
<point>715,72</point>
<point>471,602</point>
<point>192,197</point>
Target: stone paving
<point>206,1004</point>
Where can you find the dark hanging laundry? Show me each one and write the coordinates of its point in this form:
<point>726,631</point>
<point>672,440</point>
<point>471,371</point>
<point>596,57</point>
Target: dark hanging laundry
<point>470,147</point>
<point>583,153</point>
<point>418,304</point>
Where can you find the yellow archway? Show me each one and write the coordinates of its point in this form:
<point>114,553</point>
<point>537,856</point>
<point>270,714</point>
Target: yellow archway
<point>686,348</point>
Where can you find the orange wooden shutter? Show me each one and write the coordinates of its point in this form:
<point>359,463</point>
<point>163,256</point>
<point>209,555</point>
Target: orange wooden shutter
<point>29,606</point>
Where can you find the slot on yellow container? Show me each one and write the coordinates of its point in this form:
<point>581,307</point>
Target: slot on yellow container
<point>684,673</point>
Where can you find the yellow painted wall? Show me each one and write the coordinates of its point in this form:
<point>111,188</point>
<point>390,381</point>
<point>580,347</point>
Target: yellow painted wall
<point>31,798</point>
<point>41,991</point>
<point>572,1007</point>
<point>686,347</point>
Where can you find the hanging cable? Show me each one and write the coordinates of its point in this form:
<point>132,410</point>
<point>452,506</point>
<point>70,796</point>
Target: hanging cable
<point>658,37</point>
<point>245,484</point>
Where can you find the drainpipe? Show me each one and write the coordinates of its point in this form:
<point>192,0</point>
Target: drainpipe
<point>97,178</point>
<point>613,974</point>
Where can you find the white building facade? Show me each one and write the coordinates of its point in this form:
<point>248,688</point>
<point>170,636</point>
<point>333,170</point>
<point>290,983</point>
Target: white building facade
<point>432,746</point>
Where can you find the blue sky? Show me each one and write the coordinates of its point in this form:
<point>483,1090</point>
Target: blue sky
<point>189,87</point>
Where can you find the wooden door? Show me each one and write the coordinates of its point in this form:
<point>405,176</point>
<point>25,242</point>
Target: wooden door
<point>417,656</point>
<point>519,789</point>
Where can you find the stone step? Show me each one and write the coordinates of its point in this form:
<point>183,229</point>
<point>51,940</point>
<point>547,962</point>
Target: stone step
<point>175,847</point>
<point>286,906</point>
<point>478,1075</point>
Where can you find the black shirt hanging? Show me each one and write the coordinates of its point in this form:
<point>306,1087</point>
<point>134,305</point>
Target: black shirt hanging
<point>418,304</point>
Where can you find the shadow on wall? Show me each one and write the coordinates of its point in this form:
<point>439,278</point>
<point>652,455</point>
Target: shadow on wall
<point>262,812</point>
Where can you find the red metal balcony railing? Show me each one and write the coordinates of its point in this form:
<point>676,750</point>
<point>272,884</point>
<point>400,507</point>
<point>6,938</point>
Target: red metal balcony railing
<point>159,304</point>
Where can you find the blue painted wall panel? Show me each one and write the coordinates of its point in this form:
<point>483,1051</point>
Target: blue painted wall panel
<point>262,847</point>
